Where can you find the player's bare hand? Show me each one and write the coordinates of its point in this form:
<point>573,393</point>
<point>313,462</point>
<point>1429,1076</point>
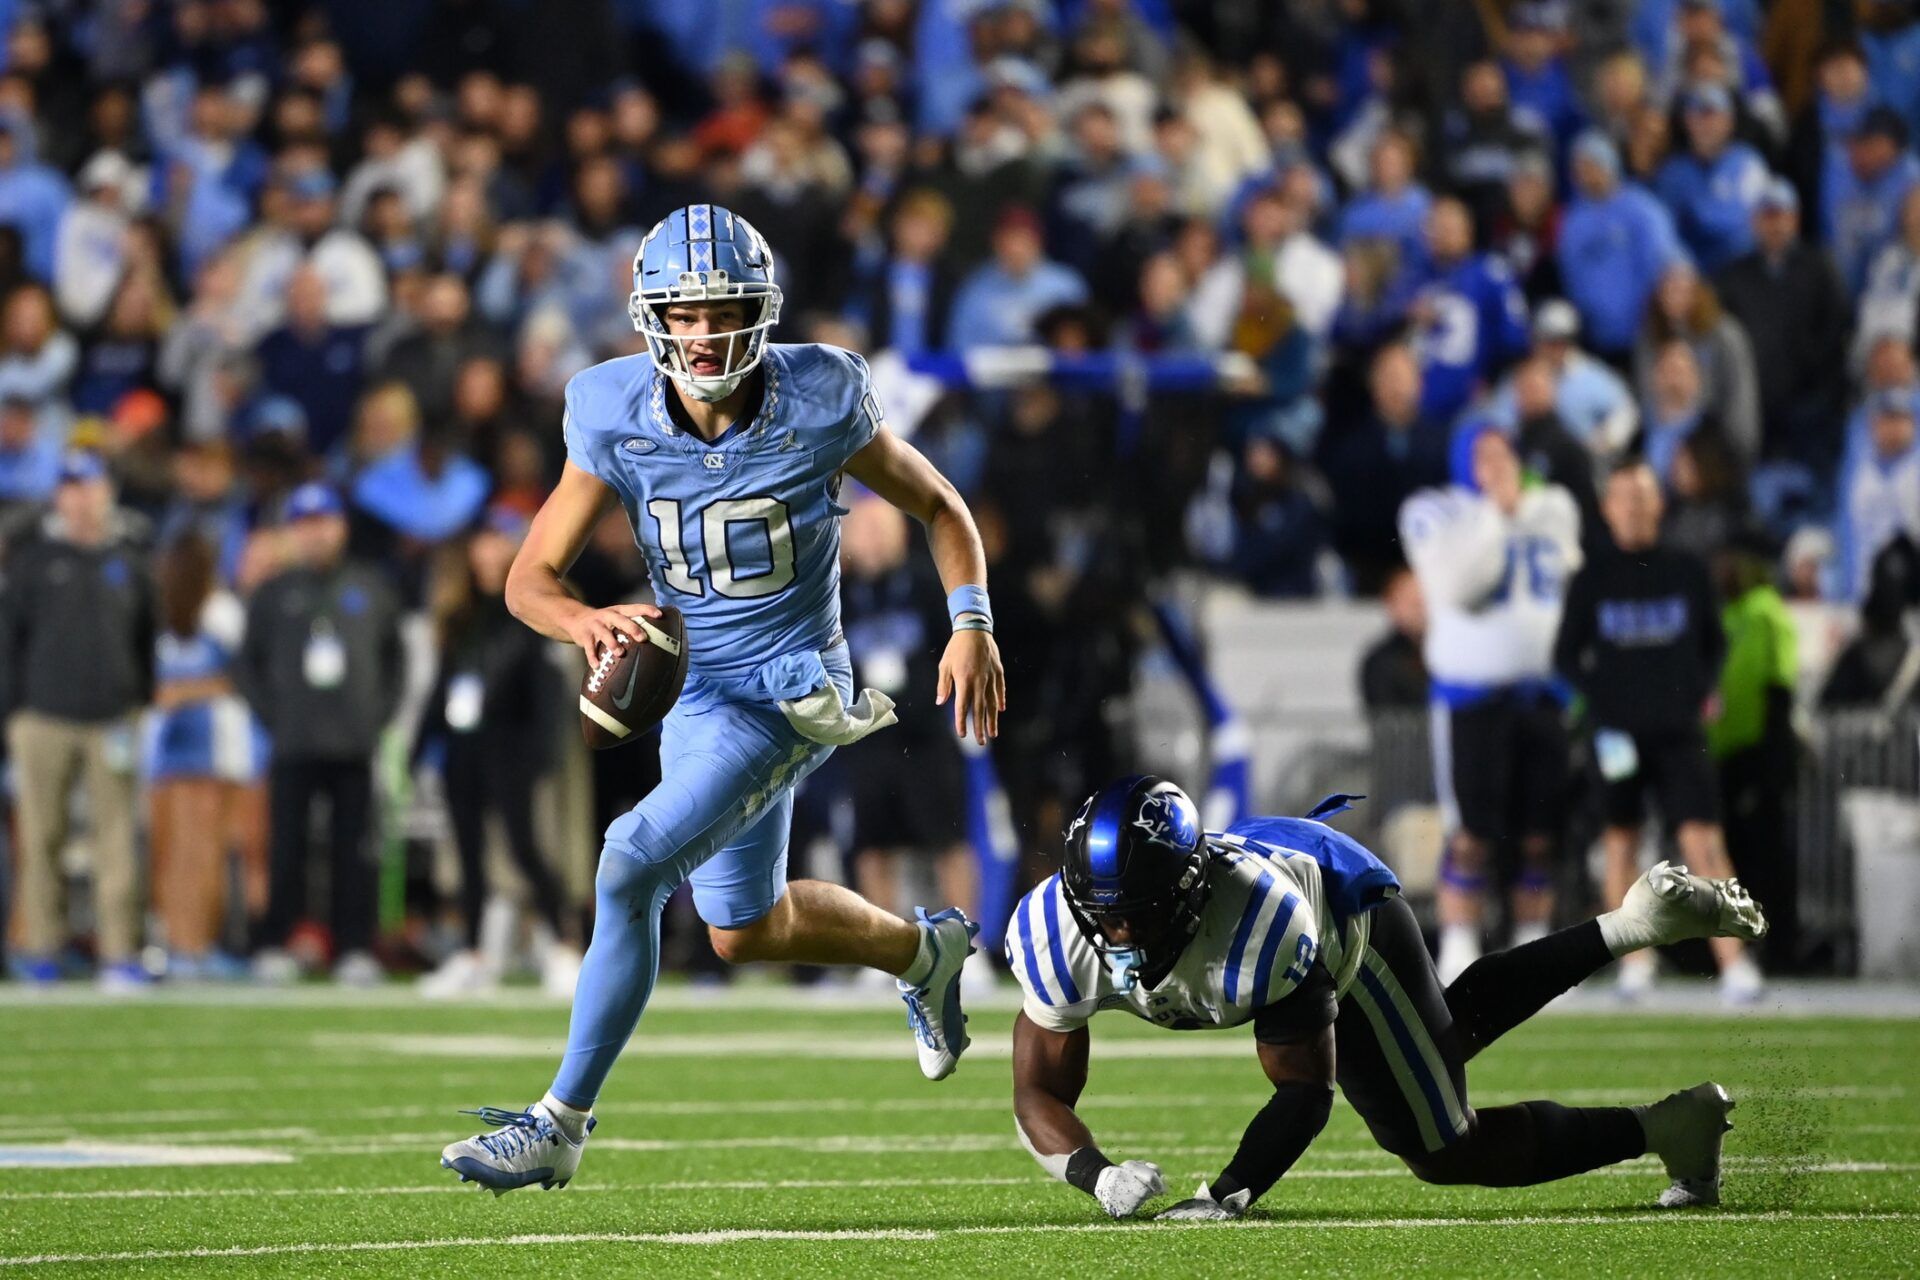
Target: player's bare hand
<point>973,680</point>
<point>602,630</point>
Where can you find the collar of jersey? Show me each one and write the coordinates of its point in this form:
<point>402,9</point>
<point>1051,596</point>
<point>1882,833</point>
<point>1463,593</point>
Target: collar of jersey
<point>743,438</point>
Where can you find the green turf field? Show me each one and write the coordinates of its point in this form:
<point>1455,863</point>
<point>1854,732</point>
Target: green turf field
<point>759,1133</point>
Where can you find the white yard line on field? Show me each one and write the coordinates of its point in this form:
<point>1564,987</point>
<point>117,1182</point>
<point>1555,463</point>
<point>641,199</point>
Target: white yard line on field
<point>729,1237</point>
<point>1786,999</point>
<point>1638,1168</point>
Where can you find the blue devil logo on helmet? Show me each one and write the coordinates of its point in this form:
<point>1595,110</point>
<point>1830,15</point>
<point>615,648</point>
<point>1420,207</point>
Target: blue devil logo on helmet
<point>704,253</point>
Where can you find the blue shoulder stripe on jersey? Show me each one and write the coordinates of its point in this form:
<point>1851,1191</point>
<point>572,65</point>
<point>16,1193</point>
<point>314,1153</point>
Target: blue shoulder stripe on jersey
<point>1238,951</point>
<point>1263,969</point>
<point>1069,990</point>
<point>1026,951</point>
<point>1408,1048</point>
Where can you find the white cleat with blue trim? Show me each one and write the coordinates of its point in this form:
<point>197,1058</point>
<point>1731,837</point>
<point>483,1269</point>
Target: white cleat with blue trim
<point>933,1008</point>
<point>525,1147</point>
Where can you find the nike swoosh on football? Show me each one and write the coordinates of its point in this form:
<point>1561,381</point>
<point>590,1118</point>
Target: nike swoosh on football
<point>624,698</point>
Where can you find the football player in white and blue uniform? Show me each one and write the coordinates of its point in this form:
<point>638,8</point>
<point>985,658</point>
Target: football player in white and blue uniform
<point>1290,925</point>
<point>727,454</point>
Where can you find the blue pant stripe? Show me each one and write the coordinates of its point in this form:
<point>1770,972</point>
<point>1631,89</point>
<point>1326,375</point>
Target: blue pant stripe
<point>1238,951</point>
<point>1269,949</point>
<point>1416,1062</point>
<point>1069,990</point>
<point>1026,950</point>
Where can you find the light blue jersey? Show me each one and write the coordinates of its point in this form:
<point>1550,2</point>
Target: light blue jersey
<point>742,534</point>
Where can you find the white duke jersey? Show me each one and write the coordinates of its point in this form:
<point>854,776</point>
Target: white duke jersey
<point>741,534</point>
<point>1267,918</point>
<point>1494,583</point>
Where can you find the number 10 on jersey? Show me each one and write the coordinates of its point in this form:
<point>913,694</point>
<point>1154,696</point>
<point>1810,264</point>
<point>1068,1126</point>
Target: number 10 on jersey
<point>717,523</point>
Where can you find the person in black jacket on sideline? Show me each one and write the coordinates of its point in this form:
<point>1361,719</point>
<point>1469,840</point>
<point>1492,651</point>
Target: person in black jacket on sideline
<point>491,714</point>
<point>1640,639</point>
<point>323,668</point>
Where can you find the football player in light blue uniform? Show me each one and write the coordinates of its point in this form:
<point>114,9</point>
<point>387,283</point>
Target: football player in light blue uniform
<point>1296,928</point>
<point>727,454</point>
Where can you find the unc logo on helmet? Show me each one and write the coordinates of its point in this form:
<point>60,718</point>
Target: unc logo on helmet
<point>702,254</point>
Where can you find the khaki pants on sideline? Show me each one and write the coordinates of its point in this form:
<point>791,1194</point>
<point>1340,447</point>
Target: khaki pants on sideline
<point>48,755</point>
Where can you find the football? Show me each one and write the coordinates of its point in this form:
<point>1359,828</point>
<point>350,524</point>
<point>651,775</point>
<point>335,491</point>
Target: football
<point>632,688</point>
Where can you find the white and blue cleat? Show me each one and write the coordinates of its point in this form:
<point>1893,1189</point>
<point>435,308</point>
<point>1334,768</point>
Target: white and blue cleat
<point>933,1008</point>
<point>525,1147</point>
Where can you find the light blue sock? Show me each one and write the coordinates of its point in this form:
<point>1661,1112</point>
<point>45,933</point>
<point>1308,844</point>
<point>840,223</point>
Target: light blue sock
<point>618,972</point>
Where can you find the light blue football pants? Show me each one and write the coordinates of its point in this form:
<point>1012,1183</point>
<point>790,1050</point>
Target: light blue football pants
<point>719,818</point>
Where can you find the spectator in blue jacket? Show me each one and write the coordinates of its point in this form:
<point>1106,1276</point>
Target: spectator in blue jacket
<point>1470,319</point>
<point>1864,211</point>
<point>1714,185</point>
<point>1381,238</point>
<point>1890,39</point>
<point>320,366</point>
<point>998,304</point>
<point>32,195</point>
<point>1615,243</point>
<point>1538,81</point>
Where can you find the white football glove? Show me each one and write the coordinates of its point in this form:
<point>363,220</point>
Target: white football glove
<point>1122,1188</point>
<point>1204,1208</point>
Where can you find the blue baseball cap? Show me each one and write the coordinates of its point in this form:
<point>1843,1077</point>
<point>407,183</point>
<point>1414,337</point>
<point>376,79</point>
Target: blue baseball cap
<point>280,415</point>
<point>1778,196</point>
<point>78,466</point>
<point>310,500</point>
<point>1894,402</point>
<point>1709,97</point>
<point>309,184</point>
<point>1596,147</point>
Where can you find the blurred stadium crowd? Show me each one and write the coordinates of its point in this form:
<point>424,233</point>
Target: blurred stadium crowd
<point>289,294</point>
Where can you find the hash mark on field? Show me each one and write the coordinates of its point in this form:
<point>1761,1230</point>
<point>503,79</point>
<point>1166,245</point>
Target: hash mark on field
<point>744,1236</point>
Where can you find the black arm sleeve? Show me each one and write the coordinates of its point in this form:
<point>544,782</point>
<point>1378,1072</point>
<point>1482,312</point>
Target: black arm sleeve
<point>1285,1127</point>
<point>1302,1013</point>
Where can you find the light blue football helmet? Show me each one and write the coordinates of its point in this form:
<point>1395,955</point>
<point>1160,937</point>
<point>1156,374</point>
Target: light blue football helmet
<point>704,253</point>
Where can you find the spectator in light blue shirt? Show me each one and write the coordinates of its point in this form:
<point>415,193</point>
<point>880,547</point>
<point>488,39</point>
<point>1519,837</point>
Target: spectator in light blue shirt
<point>29,461</point>
<point>32,195</point>
<point>1713,186</point>
<point>1615,243</point>
<point>1593,402</point>
<point>1865,209</point>
<point>998,304</point>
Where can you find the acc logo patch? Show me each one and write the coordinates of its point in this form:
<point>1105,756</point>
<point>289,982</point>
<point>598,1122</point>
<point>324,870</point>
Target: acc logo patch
<point>638,444</point>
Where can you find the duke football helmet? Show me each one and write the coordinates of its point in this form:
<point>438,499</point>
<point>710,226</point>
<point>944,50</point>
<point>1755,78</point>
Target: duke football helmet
<point>704,253</point>
<point>1135,876</point>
